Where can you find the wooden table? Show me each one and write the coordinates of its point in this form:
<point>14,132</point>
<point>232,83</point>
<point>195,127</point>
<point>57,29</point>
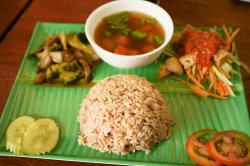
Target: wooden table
<point>10,11</point>
<point>196,12</point>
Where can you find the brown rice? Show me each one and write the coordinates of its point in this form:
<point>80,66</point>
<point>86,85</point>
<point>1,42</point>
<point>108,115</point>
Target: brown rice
<point>122,114</point>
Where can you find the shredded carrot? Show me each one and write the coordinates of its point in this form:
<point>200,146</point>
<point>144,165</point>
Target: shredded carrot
<point>213,79</point>
<point>194,88</point>
<point>199,77</point>
<point>233,47</point>
<point>227,46</point>
<point>188,71</point>
<point>199,91</point>
<point>225,89</point>
<point>204,71</point>
<point>226,32</point>
<point>163,72</point>
<point>218,77</point>
<point>230,39</point>
<point>200,72</point>
<point>217,96</point>
<point>220,90</point>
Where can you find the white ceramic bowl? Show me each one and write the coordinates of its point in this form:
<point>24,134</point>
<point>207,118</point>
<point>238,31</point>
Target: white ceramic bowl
<point>141,6</point>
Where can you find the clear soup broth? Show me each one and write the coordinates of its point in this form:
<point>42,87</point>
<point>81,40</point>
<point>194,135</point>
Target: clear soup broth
<point>129,33</point>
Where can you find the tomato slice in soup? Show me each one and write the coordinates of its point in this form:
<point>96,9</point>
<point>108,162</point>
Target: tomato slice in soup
<point>197,147</point>
<point>230,148</point>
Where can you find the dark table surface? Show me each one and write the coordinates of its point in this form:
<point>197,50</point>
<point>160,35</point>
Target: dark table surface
<point>199,13</point>
<point>10,11</point>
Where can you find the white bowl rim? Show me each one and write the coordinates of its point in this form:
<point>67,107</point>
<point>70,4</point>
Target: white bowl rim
<point>108,4</point>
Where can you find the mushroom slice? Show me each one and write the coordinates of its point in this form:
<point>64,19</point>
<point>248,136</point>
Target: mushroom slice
<point>56,56</point>
<point>63,39</point>
<point>37,52</point>
<point>87,69</point>
<point>45,62</point>
<point>40,78</point>
<point>68,56</point>
<point>78,54</point>
<point>49,41</point>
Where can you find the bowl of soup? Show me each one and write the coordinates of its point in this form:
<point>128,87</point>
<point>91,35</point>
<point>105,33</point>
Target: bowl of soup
<point>129,34</point>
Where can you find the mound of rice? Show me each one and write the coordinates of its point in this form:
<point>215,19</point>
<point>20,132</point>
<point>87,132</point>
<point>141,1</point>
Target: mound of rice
<point>122,114</point>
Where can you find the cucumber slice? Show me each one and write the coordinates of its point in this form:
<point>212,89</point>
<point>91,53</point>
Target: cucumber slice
<point>15,132</point>
<point>41,137</point>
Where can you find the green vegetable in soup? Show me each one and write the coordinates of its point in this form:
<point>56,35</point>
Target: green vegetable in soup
<point>151,20</point>
<point>142,21</point>
<point>118,21</point>
<point>126,31</point>
<point>139,34</point>
<point>107,33</point>
<point>158,40</point>
<point>129,33</point>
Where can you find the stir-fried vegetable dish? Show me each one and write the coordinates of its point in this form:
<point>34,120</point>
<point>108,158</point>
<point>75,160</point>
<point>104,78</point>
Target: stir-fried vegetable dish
<point>65,58</point>
<point>206,58</point>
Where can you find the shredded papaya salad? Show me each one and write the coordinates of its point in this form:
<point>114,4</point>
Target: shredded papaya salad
<point>206,58</point>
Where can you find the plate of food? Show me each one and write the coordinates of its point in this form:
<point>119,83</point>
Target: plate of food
<point>54,100</point>
<point>68,104</point>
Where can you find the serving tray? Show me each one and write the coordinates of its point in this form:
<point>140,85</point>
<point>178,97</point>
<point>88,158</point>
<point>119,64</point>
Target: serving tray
<point>62,103</point>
